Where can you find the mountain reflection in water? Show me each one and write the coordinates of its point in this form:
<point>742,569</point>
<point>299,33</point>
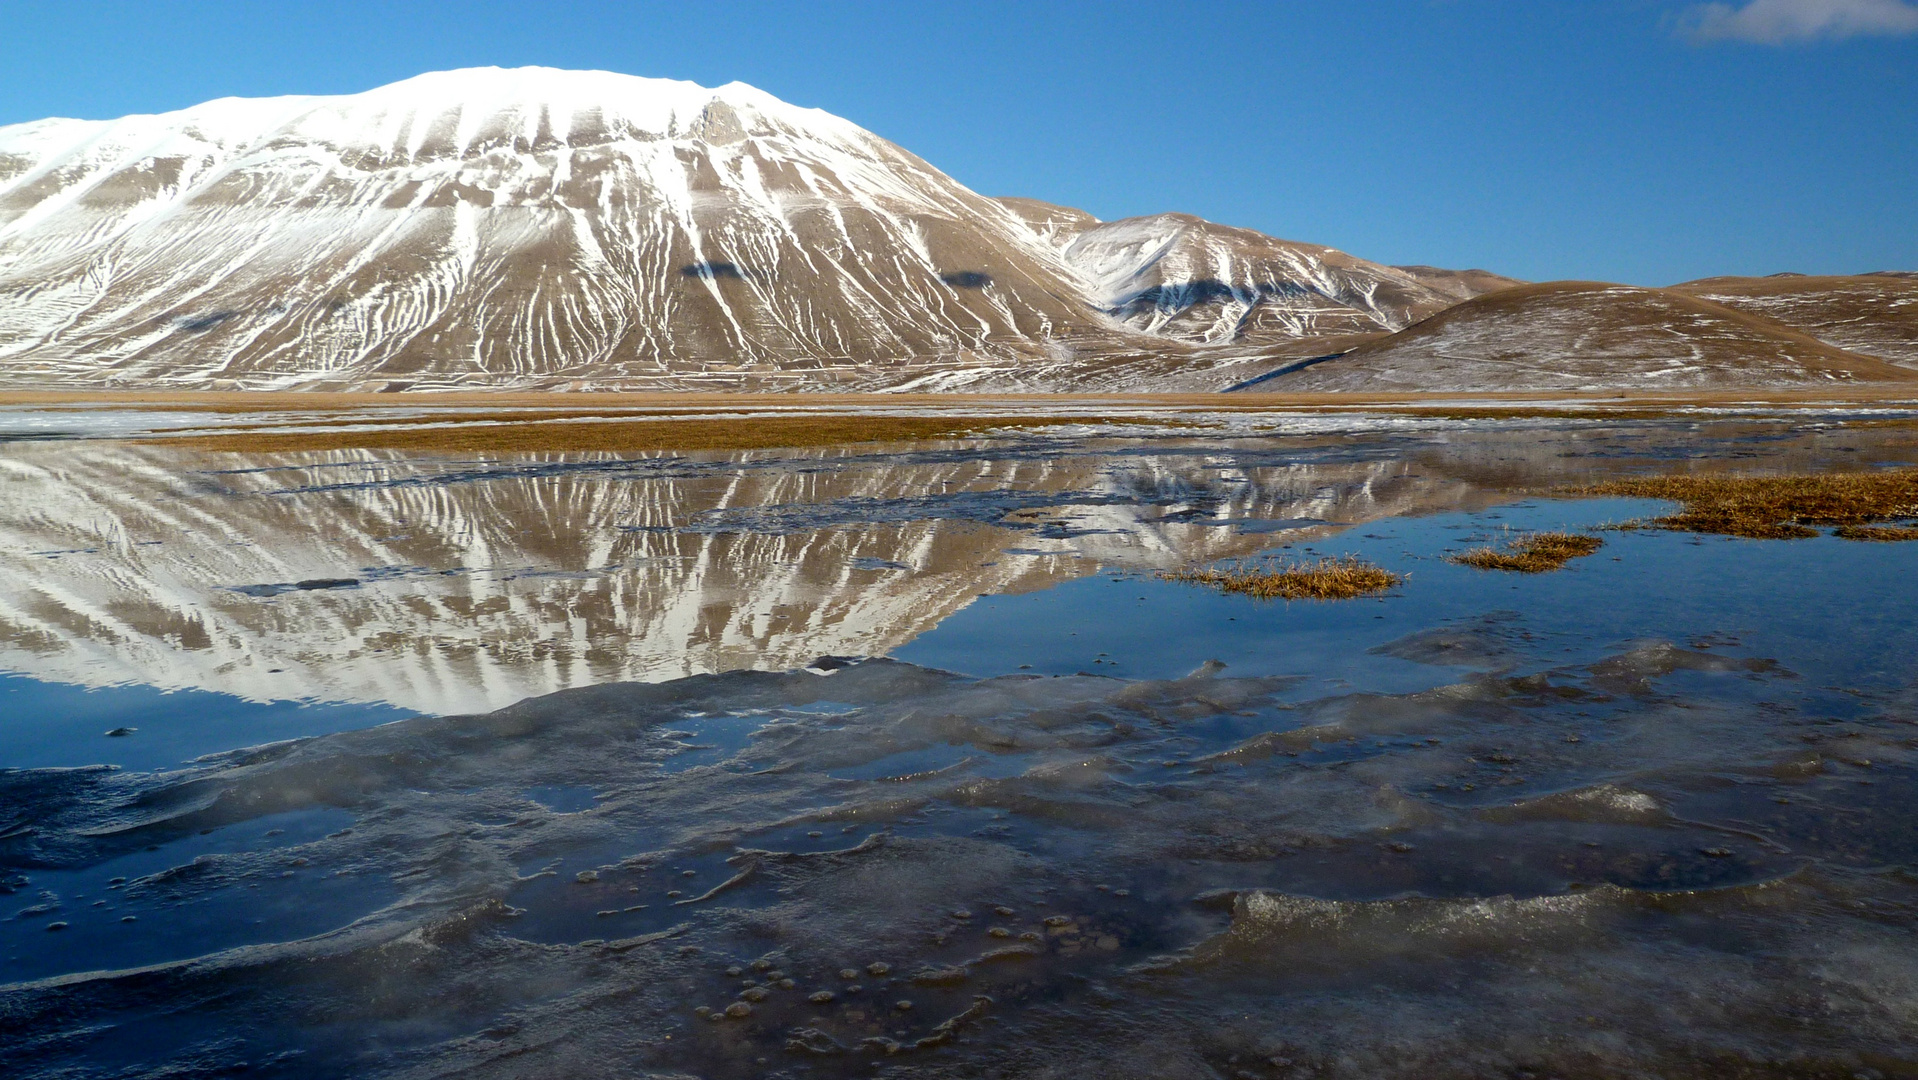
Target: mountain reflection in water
<point>444,586</point>
<point>455,586</point>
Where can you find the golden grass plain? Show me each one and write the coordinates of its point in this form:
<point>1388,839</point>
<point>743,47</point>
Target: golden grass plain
<point>506,420</point>
<point>1779,507</point>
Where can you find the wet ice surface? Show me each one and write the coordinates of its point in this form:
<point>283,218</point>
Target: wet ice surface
<point>57,725</point>
<point>1648,815</point>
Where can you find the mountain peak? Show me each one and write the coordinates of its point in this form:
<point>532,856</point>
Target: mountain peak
<point>458,113</point>
<point>643,106</point>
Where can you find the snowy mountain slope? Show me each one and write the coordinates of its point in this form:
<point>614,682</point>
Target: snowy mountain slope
<point>1187,279</point>
<point>514,227</point>
<point>1183,277</point>
<point>544,228</point>
<point>1588,336</point>
<point>1056,224</point>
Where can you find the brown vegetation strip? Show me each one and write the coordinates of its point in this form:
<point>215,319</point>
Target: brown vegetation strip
<point>621,436</point>
<point>1779,507</point>
<point>1342,578</point>
<point>367,419</point>
<point>1533,553</point>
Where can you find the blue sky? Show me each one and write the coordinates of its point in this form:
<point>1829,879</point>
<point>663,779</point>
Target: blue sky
<point>1648,141</point>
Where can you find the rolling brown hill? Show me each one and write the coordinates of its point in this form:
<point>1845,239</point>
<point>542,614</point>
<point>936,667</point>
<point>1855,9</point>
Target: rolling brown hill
<point>1873,314</point>
<point>1580,335</point>
<point>1460,284</point>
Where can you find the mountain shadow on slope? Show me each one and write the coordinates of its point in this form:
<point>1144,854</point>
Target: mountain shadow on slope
<point>713,271</point>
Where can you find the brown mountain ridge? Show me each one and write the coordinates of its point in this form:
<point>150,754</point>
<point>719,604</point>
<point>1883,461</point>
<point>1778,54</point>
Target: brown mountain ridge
<point>1578,336</point>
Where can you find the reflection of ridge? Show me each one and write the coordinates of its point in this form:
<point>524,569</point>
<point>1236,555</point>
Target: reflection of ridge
<point>122,564</point>
<point>379,469</point>
<point>1002,508</point>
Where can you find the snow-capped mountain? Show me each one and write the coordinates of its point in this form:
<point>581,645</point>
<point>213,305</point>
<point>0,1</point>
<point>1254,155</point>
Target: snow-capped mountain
<point>564,229</point>
<point>1186,278</point>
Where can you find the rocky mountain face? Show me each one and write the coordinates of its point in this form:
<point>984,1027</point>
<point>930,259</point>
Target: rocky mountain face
<point>536,228</point>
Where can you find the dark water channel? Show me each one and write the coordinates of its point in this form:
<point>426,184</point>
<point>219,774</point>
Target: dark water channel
<point>997,801</point>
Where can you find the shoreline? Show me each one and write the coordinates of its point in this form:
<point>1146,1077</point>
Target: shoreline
<point>483,421</point>
<point>299,400</point>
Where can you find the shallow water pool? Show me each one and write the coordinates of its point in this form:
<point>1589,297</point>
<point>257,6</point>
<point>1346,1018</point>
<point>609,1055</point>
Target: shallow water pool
<point>991,798</point>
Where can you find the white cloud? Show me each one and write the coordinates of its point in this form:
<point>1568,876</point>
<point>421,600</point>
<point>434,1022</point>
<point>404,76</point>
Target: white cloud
<point>1780,22</point>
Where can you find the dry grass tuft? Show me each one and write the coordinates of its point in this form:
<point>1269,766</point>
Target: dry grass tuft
<point>1778,507</point>
<point>1533,553</point>
<point>1343,578</point>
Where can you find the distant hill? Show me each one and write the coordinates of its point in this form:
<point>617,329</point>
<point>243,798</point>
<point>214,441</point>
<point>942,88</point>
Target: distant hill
<point>1873,314</point>
<point>1460,284</point>
<point>1574,335</point>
